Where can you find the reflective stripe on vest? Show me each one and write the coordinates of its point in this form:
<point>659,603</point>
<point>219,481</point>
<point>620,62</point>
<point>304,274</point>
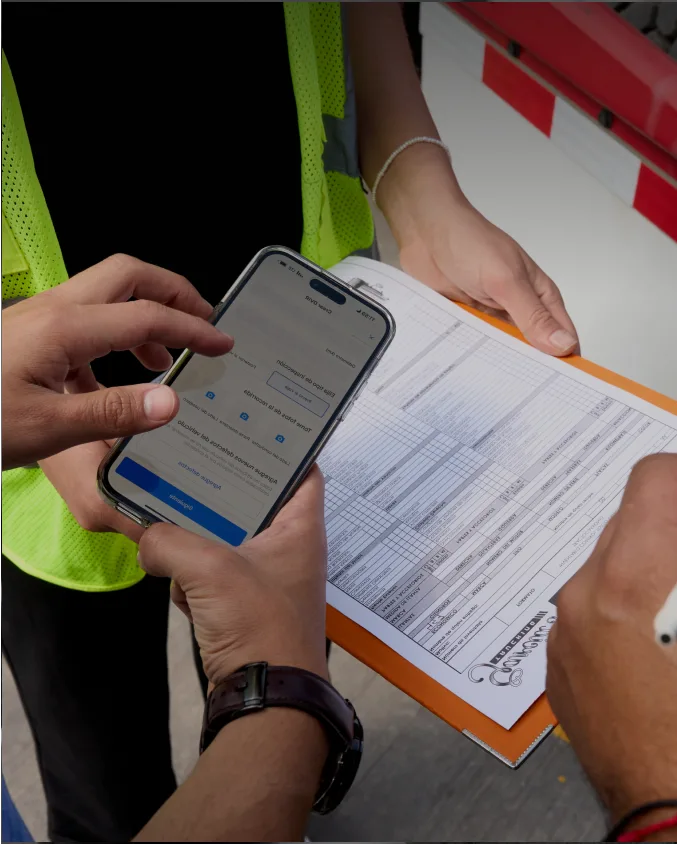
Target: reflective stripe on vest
<point>340,149</point>
<point>337,220</point>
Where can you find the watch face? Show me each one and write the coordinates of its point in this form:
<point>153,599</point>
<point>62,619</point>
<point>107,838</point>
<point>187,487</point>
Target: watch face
<point>346,771</point>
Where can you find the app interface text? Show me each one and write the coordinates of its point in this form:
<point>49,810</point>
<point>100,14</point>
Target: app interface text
<point>247,420</point>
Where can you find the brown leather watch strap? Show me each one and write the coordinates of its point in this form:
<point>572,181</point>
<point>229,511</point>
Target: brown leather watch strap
<point>259,686</point>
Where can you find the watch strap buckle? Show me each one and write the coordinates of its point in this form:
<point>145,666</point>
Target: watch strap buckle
<point>258,685</point>
<point>253,685</point>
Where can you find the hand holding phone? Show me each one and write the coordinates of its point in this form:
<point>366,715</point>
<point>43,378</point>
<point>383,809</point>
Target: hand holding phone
<point>221,590</point>
<point>251,423</point>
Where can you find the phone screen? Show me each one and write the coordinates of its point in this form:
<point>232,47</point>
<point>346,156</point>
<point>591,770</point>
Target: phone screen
<point>248,421</point>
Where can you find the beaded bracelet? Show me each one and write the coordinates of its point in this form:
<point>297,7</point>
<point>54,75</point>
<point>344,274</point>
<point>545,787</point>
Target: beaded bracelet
<point>401,148</point>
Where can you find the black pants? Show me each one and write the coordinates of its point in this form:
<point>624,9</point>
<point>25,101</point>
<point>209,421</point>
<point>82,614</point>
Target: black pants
<point>91,669</point>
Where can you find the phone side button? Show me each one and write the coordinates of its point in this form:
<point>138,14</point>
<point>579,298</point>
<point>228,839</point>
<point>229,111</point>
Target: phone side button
<point>347,410</point>
<point>352,401</point>
<point>133,516</point>
<point>359,392</point>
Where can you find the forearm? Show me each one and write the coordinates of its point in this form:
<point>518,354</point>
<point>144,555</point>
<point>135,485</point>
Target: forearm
<point>645,774</point>
<point>390,104</point>
<point>391,109</point>
<point>256,782</point>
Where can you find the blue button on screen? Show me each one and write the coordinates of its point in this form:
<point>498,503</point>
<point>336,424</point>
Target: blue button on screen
<point>176,499</point>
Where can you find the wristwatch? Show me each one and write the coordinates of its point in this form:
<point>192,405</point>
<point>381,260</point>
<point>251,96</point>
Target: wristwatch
<point>257,686</point>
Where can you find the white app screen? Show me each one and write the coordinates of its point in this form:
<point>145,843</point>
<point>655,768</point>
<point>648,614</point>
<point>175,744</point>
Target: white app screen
<point>248,419</point>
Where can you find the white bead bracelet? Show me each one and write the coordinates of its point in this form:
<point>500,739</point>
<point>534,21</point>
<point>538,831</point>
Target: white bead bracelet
<point>401,148</point>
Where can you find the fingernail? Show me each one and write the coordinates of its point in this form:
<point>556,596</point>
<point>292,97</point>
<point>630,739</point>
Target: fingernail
<point>159,404</point>
<point>230,340</point>
<point>562,340</point>
<point>138,559</point>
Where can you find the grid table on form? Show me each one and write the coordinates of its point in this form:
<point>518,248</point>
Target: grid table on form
<point>469,482</point>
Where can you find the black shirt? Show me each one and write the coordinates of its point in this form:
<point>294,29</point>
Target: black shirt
<point>165,130</point>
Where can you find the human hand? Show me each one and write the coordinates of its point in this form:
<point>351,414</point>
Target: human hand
<point>50,398</point>
<point>611,685</point>
<point>447,244</point>
<point>73,473</point>
<point>264,601</point>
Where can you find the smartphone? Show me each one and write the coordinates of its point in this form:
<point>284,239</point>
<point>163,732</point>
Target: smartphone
<point>252,422</point>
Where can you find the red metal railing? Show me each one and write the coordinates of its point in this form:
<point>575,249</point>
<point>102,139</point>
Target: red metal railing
<point>596,59</point>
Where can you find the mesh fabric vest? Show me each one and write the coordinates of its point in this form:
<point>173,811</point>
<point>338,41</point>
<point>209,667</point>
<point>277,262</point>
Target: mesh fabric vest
<point>39,534</point>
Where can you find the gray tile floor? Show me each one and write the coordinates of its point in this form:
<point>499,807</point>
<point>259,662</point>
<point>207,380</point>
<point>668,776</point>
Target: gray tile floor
<point>419,780</point>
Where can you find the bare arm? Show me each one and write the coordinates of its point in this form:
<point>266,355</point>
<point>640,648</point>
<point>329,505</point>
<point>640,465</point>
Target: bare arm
<point>390,104</point>
<point>610,684</point>
<point>256,782</point>
<point>444,241</point>
<point>391,109</point>
<point>264,601</point>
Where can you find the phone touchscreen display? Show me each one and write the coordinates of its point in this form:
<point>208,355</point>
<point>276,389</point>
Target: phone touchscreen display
<point>248,420</point>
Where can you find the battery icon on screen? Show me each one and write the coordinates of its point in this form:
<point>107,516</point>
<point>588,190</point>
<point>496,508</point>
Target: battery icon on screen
<point>283,263</point>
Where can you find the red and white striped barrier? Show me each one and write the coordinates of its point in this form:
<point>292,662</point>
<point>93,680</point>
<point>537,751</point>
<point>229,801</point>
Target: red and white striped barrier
<point>617,166</point>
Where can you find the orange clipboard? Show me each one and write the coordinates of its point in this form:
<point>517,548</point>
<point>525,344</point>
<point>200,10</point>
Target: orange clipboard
<point>511,746</point>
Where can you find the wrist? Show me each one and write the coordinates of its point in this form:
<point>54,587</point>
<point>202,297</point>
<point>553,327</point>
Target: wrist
<point>255,782</point>
<point>645,821</point>
<point>417,190</point>
<point>311,658</point>
<point>653,818</point>
<point>291,729</point>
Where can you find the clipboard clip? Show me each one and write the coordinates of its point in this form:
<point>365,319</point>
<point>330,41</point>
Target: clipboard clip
<point>373,290</point>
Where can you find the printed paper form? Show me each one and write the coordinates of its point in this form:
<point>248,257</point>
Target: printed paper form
<point>468,483</point>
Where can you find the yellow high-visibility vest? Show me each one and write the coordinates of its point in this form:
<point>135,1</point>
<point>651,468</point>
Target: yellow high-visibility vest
<point>39,534</point>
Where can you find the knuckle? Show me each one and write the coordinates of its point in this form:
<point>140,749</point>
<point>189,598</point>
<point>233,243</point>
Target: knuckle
<point>148,309</point>
<point>53,320</point>
<point>501,286</point>
<point>151,543</point>
<point>123,263</point>
<point>183,284</point>
<point>551,295</point>
<point>47,300</point>
<point>210,563</point>
<point>618,593</point>
<point>652,487</point>
<point>152,539</point>
<point>113,409</point>
<point>296,533</point>
<point>540,317</point>
<point>214,557</point>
